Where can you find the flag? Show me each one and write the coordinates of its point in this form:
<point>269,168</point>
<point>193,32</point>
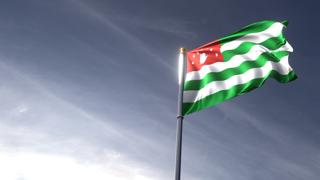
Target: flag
<point>236,64</point>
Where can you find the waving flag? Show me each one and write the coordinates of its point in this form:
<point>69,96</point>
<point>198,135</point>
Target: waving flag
<point>236,64</point>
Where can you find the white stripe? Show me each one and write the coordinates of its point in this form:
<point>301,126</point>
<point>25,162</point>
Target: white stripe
<point>235,61</point>
<point>281,67</point>
<point>273,31</point>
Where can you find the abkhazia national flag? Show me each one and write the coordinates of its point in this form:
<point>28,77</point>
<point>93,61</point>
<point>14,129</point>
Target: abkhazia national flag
<point>236,64</point>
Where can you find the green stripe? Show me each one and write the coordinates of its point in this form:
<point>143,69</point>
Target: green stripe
<point>252,28</point>
<point>224,95</point>
<point>242,68</point>
<point>271,44</point>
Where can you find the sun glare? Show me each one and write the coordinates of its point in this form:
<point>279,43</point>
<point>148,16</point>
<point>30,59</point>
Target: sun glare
<point>34,166</point>
<point>180,61</point>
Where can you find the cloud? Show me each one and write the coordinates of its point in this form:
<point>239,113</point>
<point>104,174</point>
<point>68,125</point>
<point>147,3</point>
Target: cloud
<point>40,131</point>
<point>290,169</point>
<point>129,37</point>
<point>176,27</point>
<point>39,166</point>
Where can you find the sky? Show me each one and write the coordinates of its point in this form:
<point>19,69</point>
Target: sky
<point>88,90</point>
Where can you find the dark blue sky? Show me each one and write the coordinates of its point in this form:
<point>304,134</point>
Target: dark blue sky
<point>88,90</point>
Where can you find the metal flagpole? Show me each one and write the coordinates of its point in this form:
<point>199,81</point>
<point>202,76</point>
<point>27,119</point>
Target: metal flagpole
<point>182,71</point>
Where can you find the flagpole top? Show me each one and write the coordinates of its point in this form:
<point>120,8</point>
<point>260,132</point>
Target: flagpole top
<point>182,50</point>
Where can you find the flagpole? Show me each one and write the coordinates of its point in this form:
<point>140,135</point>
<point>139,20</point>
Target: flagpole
<point>182,71</point>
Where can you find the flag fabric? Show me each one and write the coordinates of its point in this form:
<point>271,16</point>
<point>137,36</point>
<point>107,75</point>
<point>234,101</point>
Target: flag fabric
<point>236,64</point>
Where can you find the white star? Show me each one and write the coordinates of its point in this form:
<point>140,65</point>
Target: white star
<point>216,54</point>
<point>210,49</point>
<point>203,58</point>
